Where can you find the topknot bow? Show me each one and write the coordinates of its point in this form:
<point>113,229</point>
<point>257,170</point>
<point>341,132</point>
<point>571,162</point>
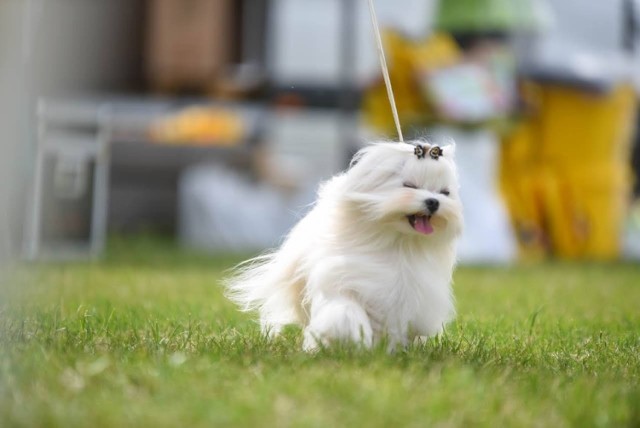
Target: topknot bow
<point>435,152</point>
<point>421,151</point>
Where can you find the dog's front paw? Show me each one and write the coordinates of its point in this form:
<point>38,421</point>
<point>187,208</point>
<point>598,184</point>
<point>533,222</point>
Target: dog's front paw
<point>340,320</point>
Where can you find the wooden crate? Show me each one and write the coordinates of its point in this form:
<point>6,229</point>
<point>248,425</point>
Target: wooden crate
<point>189,43</point>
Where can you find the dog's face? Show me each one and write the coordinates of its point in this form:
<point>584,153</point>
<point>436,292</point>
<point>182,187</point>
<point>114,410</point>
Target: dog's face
<point>393,187</point>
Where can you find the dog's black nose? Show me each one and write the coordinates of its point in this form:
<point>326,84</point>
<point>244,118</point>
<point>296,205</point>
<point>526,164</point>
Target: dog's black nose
<point>432,204</point>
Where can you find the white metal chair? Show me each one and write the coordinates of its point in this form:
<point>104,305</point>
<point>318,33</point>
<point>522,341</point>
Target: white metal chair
<point>72,162</point>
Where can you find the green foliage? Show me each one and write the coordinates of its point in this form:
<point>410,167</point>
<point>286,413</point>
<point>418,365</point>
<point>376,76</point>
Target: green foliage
<point>145,338</point>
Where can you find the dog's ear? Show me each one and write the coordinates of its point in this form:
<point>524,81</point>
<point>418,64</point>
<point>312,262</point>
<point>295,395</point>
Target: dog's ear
<point>449,151</point>
<point>375,165</point>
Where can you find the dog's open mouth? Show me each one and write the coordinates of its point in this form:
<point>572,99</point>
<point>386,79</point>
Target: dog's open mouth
<point>421,223</point>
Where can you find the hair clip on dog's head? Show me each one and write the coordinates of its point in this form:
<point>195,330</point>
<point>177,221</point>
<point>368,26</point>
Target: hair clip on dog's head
<point>434,151</point>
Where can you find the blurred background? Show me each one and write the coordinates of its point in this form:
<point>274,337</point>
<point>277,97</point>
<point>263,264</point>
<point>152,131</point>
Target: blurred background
<point>212,121</point>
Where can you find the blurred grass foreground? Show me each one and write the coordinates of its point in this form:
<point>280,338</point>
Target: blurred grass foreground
<point>145,338</point>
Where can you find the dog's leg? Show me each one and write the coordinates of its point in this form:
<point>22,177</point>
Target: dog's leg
<point>337,318</point>
<point>282,308</point>
<point>271,329</point>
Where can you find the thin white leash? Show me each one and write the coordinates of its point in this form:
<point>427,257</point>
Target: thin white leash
<point>385,70</point>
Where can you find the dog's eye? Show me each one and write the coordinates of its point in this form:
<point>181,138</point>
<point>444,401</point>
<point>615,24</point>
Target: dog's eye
<point>445,192</point>
<point>410,185</point>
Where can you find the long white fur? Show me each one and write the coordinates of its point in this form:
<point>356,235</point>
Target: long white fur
<point>353,268</point>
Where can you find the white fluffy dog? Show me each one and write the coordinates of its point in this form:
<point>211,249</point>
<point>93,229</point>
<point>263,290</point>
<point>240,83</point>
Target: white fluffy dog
<point>372,260</point>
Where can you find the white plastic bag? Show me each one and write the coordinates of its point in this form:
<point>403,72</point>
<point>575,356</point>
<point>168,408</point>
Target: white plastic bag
<point>221,210</point>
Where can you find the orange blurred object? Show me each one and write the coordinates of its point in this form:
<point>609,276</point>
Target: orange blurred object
<point>200,126</point>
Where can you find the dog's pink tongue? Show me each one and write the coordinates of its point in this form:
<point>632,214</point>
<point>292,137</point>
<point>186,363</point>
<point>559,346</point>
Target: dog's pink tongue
<point>423,225</point>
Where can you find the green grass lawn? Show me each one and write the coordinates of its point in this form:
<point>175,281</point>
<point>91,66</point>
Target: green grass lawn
<point>145,338</point>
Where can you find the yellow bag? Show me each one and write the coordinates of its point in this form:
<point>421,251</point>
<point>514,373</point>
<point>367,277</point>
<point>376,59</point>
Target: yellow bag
<point>565,172</point>
<point>406,59</point>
